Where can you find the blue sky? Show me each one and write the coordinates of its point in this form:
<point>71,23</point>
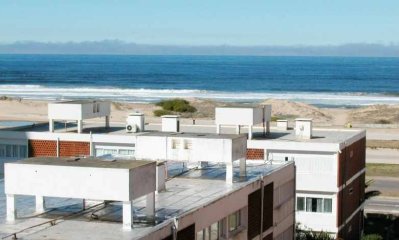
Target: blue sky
<point>202,22</point>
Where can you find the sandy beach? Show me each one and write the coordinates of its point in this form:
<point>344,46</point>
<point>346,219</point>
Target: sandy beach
<point>32,110</point>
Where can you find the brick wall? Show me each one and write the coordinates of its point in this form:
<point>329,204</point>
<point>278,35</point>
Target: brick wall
<point>48,148</point>
<point>70,149</point>
<point>352,159</point>
<point>42,148</point>
<point>255,154</point>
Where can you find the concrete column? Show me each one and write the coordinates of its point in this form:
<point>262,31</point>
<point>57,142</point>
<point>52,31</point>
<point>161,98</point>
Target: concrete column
<point>80,126</point>
<point>106,121</point>
<point>250,132</point>
<point>11,210</point>
<point>238,129</point>
<point>267,127</point>
<point>218,128</point>
<point>40,204</point>
<point>150,206</point>
<point>161,176</point>
<point>51,125</point>
<point>229,173</point>
<point>243,167</point>
<point>127,212</point>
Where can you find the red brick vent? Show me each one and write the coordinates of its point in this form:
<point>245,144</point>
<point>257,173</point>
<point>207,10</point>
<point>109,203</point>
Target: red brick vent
<point>42,148</point>
<point>255,154</point>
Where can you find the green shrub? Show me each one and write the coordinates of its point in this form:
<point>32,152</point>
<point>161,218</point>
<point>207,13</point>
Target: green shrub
<point>161,112</point>
<point>372,237</point>
<point>176,105</point>
<point>383,121</point>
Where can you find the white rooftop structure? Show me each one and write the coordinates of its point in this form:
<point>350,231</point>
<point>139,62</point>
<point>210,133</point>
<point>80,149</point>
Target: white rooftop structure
<point>303,128</point>
<point>194,196</point>
<point>239,116</point>
<point>85,178</point>
<point>194,148</point>
<point>78,110</point>
<point>170,123</point>
<point>135,122</point>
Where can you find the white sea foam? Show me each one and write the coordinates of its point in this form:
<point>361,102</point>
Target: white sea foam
<point>151,95</point>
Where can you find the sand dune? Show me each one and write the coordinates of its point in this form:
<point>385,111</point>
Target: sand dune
<point>17,109</point>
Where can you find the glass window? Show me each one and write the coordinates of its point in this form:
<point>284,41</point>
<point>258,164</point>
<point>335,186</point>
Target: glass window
<point>8,151</point>
<point>175,143</point>
<point>214,232</point>
<point>22,151</point>
<point>200,235</point>
<point>234,221</point>
<point>2,150</point>
<point>314,204</point>
<point>300,204</point>
<point>327,205</point>
<point>15,152</point>
<point>187,144</point>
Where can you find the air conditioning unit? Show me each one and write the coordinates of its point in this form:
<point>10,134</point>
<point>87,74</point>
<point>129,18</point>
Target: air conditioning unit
<point>131,128</point>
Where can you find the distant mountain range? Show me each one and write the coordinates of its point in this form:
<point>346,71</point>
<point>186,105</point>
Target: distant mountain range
<point>119,47</point>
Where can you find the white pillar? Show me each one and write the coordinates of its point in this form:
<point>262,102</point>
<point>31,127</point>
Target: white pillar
<point>243,167</point>
<point>40,204</point>
<point>80,126</point>
<point>250,132</point>
<point>229,173</point>
<point>107,121</point>
<point>267,127</point>
<point>11,210</point>
<point>127,212</point>
<point>238,129</point>
<point>51,125</point>
<point>150,206</point>
<point>218,128</point>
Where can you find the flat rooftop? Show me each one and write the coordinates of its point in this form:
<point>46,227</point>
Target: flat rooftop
<point>205,131</point>
<point>186,192</point>
<point>319,136</point>
<point>84,162</point>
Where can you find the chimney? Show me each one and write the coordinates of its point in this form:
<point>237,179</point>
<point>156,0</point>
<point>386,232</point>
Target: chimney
<point>303,128</point>
<point>170,123</point>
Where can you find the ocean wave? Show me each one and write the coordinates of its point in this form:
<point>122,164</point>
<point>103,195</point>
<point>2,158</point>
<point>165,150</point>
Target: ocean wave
<point>152,95</point>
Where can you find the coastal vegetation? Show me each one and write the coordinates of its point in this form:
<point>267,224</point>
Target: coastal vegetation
<point>379,169</point>
<point>374,144</point>
<point>173,106</point>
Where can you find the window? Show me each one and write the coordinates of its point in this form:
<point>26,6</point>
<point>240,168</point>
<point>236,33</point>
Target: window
<point>188,144</point>
<point>300,204</point>
<point>327,205</point>
<point>96,107</point>
<point>115,151</point>
<point>234,221</point>
<point>13,151</point>
<point>175,143</point>
<point>314,204</point>
<point>210,233</point>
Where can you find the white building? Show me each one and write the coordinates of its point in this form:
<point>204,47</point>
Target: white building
<point>330,166</point>
<point>209,190</point>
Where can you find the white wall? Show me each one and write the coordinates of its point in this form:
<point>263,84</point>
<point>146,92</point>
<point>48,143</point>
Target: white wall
<point>63,111</point>
<point>77,111</point>
<point>79,182</point>
<point>319,221</point>
<point>315,171</point>
<point>190,149</point>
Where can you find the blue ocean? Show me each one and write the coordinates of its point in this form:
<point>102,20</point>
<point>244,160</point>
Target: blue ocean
<point>324,81</point>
